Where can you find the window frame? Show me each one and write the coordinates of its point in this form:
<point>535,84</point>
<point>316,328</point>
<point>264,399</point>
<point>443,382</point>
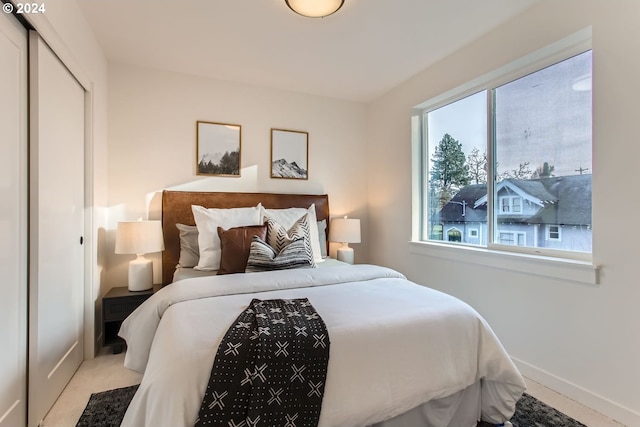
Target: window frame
<point>562,50</point>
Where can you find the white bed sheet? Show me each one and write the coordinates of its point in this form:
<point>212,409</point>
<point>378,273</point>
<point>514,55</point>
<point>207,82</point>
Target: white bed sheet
<point>461,409</point>
<point>394,345</point>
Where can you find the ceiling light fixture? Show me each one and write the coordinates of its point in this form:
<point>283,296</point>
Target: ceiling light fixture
<point>314,8</point>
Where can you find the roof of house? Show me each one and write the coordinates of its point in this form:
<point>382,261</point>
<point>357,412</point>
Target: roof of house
<point>563,200</point>
<point>536,188</point>
<point>574,201</point>
<point>466,197</point>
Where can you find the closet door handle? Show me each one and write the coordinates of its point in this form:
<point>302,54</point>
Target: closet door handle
<point>81,240</point>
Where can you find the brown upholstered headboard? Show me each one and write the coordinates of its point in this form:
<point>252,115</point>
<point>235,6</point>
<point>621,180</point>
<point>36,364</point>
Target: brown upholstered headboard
<point>176,209</point>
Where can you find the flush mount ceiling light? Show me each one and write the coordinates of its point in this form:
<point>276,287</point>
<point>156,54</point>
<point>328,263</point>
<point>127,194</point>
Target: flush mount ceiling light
<point>314,8</point>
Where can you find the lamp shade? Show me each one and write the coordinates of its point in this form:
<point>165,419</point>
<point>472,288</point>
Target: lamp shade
<point>314,8</point>
<point>139,237</point>
<point>345,230</point>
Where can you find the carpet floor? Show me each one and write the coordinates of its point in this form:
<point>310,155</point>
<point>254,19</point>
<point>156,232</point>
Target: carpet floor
<point>106,409</point>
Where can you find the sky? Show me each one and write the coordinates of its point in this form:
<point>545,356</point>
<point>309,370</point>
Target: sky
<point>217,138</point>
<point>291,146</point>
<point>542,117</point>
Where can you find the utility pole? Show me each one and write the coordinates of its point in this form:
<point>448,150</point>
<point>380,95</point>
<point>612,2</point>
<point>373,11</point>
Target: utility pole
<point>581,169</point>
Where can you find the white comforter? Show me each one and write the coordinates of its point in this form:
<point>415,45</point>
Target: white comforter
<point>394,345</point>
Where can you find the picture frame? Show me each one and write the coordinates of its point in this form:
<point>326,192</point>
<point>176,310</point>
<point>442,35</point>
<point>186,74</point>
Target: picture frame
<point>289,154</point>
<point>218,149</point>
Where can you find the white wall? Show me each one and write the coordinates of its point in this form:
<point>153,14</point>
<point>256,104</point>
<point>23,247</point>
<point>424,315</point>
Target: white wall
<point>152,145</point>
<point>66,31</point>
<point>579,339</point>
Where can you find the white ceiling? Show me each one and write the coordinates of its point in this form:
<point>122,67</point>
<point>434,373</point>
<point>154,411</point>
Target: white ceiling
<point>358,53</point>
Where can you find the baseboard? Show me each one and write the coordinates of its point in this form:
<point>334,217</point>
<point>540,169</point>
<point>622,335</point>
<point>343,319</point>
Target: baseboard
<point>598,403</point>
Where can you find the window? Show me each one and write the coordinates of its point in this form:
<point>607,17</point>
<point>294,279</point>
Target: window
<point>513,155</point>
<point>454,235</point>
<point>510,204</point>
<point>553,232</point>
<point>436,232</point>
<point>512,238</point>
<point>506,206</point>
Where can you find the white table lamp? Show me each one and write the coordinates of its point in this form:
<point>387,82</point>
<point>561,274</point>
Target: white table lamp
<point>345,230</point>
<point>139,237</point>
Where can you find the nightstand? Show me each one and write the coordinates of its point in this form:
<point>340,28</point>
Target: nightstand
<point>117,304</point>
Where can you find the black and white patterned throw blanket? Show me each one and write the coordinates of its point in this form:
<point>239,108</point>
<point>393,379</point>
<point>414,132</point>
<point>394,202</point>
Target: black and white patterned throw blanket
<point>270,368</point>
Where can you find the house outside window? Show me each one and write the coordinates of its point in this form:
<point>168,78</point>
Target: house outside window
<point>513,155</point>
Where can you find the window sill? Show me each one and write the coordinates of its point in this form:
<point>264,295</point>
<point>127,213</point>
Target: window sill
<point>557,268</point>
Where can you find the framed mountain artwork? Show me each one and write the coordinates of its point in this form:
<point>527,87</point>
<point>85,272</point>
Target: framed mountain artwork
<point>218,149</point>
<point>289,154</point>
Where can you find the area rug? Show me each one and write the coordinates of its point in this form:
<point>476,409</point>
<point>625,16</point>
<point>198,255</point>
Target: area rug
<point>530,412</point>
<point>106,409</point>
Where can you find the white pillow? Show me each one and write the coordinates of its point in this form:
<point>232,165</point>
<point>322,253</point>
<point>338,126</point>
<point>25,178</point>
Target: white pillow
<point>288,217</point>
<point>208,221</point>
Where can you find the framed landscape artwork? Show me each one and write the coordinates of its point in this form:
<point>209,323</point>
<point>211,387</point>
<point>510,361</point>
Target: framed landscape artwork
<point>218,149</point>
<point>289,154</point>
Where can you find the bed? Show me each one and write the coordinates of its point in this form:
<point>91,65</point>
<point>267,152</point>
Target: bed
<point>401,354</point>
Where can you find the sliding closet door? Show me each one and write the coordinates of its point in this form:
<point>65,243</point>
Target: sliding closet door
<point>13,222</point>
<point>56,186</point>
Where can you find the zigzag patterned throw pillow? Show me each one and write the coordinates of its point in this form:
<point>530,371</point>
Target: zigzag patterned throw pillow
<point>278,237</point>
<point>262,257</point>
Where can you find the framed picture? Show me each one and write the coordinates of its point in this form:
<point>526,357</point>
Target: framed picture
<point>289,154</point>
<point>218,149</point>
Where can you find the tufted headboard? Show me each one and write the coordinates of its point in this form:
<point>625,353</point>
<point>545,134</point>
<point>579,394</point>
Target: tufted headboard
<point>176,209</point>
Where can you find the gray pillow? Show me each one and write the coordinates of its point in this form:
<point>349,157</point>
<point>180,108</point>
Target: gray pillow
<point>322,237</point>
<point>189,249</point>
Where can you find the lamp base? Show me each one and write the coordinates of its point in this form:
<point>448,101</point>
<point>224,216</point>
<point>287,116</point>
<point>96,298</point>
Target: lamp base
<point>140,274</point>
<point>345,254</point>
